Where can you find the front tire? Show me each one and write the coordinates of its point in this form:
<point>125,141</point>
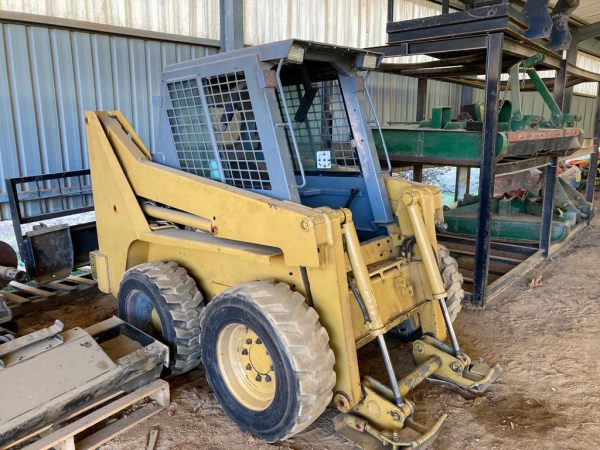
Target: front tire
<point>267,359</point>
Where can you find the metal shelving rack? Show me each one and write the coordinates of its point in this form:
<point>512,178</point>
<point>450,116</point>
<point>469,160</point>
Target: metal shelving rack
<point>484,41</point>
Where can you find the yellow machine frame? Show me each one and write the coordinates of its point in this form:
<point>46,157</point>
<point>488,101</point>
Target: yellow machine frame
<point>233,236</point>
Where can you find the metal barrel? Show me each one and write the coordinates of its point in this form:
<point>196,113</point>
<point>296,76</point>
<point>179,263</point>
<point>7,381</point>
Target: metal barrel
<point>8,274</point>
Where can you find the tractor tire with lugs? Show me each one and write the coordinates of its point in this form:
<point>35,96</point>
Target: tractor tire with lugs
<point>453,281</point>
<point>161,299</point>
<point>267,359</point>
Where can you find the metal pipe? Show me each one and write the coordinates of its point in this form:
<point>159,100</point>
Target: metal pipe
<point>427,255</point>
<point>176,216</point>
<point>289,122</point>
<point>431,269</point>
<point>556,113</point>
<point>390,371</point>
<point>8,274</point>
<point>361,276</point>
<point>449,327</point>
<point>385,149</point>
<point>548,207</point>
<point>419,374</point>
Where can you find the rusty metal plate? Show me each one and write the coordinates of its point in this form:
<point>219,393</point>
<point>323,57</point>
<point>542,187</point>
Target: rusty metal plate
<point>36,381</point>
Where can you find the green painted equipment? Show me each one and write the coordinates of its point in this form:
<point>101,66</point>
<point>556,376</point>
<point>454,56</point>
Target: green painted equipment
<point>519,217</point>
<point>441,140</point>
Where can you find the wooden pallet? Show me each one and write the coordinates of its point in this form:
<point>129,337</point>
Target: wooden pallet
<point>24,298</point>
<point>87,429</point>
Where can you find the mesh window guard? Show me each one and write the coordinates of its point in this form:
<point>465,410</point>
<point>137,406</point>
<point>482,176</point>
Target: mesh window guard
<point>236,133</point>
<point>325,130</point>
<point>190,132</point>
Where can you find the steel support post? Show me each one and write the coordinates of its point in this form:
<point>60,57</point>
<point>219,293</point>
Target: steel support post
<point>418,173</point>
<point>591,180</point>
<point>488,165</point>
<point>421,106</point>
<point>390,11</point>
<point>560,84</point>
<point>462,182</point>
<point>421,98</point>
<point>445,6</point>
<point>231,14</point>
<point>548,206</point>
<point>550,171</point>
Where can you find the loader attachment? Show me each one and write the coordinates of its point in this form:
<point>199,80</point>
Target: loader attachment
<point>385,417</point>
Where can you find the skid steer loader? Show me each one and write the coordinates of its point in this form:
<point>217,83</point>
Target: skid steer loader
<point>263,238</point>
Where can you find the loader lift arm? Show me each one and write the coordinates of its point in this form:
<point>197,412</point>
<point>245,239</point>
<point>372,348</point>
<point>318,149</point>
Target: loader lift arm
<point>289,222</point>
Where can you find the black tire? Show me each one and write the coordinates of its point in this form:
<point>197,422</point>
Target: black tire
<point>166,288</point>
<point>453,280</point>
<point>298,348</point>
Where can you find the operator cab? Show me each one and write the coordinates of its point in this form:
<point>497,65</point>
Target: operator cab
<point>287,120</point>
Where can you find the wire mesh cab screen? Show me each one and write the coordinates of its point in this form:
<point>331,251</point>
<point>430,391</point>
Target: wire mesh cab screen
<point>215,133</point>
<point>319,118</point>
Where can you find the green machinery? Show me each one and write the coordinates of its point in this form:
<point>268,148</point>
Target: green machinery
<point>441,140</point>
<point>519,217</point>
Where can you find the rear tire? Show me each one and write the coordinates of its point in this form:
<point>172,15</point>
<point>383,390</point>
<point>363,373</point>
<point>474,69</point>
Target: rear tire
<point>161,299</point>
<point>267,359</point>
<point>453,280</point>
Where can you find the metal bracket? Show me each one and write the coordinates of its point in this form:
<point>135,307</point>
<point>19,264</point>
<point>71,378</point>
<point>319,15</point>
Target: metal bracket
<point>472,378</point>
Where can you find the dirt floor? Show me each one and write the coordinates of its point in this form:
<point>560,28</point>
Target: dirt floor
<point>545,338</point>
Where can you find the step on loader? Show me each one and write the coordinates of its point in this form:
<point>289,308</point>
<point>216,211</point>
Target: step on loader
<point>263,238</point>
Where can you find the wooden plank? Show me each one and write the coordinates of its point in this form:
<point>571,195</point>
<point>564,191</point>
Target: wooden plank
<point>30,289</point>
<point>116,428</point>
<point>12,297</point>
<point>505,259</point>
<point>500,285</point>
<point>62,286</point>
<point>82,280</point>
<point>152,439</point>
<point>99,415</point>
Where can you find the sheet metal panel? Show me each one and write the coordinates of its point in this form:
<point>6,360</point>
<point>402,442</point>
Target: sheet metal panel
<point>395,96</point>
<point>184,17</point>
<point>50,76</point>
<point>354,23</point>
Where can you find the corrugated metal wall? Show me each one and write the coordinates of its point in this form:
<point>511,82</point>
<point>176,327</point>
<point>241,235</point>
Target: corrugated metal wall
<point>49,77</point>
<point>354,23</point>
<point>395,96</point>
<point>198,18</point>
<point>358,23</point>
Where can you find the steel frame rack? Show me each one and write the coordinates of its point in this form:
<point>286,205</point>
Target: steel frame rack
<point>484,41</point>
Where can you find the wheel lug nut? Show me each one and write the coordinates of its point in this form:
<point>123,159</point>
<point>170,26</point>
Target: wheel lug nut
<point>258,378</point>
<point>267,378</point>
<point>245,351</point>
<point>259,341</point>
<point>248,366</point>
<point>271,368</point>
<point>248,341</point>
